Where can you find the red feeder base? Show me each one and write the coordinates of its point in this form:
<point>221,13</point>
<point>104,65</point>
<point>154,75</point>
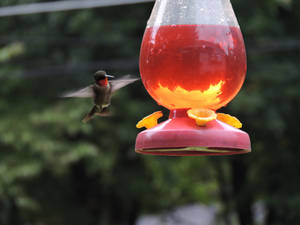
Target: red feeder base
<point>180,136</point>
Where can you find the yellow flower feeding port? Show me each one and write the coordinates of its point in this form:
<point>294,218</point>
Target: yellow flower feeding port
<point>202,116</point>
<point>149,121</point>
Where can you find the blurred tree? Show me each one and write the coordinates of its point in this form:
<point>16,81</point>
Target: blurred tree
<point>56,170</point>
<point>269,106</point>
<point>53,168</point>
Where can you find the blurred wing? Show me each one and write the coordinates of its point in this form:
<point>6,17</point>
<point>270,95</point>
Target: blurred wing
<point>86,92</point>
<point>122,82</point>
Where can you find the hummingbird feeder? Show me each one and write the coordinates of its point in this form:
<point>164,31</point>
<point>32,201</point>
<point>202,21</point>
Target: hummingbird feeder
<point>193,62</point>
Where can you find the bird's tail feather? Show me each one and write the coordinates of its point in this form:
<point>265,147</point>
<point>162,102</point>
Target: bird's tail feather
<point>90,115</point>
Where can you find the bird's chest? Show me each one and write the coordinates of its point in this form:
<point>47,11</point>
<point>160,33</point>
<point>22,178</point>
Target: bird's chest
<point>102,95</point>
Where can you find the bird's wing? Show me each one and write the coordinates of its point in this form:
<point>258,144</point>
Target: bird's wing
<point>86,92</point>
<point>122,82</point>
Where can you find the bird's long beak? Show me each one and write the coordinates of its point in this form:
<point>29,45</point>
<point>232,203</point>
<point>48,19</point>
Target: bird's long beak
<point>109,76</point>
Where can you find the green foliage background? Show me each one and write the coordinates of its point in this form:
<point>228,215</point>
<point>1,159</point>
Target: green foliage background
<point>56,170</point>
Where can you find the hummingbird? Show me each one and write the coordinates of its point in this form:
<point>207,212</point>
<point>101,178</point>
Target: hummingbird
<point>101,91</point>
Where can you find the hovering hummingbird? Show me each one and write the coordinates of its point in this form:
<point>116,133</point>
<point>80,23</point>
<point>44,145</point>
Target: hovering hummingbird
<point>101,91</point>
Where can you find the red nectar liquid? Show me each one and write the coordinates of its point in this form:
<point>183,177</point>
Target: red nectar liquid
<point>193,66</point>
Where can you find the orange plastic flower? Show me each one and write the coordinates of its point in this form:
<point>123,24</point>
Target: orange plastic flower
<point>202,116</point>
<point>150,121</point>
<point>231,120</point>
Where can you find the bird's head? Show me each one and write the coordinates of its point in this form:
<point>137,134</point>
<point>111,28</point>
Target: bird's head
<point>101,77</point>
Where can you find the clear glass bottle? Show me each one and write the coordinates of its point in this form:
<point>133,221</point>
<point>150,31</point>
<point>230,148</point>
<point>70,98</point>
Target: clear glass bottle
<point>193,54</point>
